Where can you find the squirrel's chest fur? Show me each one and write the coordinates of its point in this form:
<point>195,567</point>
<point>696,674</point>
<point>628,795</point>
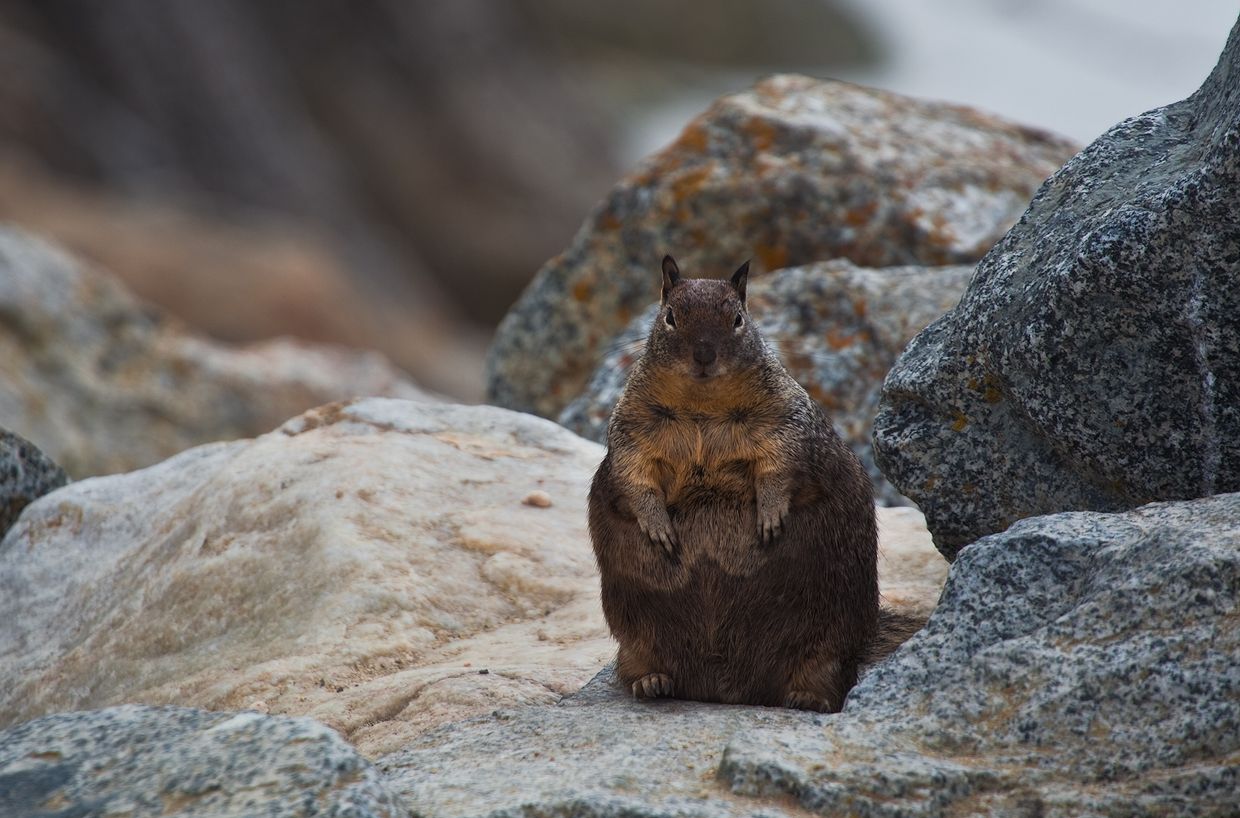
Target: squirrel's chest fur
<point>702,452</point>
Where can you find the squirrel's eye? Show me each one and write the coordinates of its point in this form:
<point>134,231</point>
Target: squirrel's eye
<point>739,320</point>
<point>670,319</point>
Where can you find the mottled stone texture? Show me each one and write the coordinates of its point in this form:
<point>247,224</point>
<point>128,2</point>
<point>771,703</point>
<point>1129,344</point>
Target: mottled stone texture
<point>1081,664</point>
<point>837,327</point>
<point>149,762</point>
<point>790,172</point>
<point>26,474</point>
<point>1094,362</point>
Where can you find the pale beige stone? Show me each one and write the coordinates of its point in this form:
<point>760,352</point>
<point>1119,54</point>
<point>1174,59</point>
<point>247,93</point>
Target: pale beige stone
<point>911,572</point>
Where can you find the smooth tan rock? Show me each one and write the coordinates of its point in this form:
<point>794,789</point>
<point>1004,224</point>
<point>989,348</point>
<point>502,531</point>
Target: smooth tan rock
<point>911,572</point>
<point>373,565</point>
<point>370,565</point>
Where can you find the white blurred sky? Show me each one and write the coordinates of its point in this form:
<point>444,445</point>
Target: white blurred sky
<point>1075,67</point>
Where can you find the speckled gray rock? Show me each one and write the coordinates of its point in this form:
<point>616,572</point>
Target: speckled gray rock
<point>103,382</point>
<point>26,474</point>
<point>838,329</point>
<point>1082,664</point>
<point>1094,362</point>
<point>790,172</point>
<point>171,761</point>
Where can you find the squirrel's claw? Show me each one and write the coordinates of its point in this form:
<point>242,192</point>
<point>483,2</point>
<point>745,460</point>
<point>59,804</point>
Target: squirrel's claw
<point>662,535</point>
<point>665,540</point>
<point>653,686</point>
<point>771,524</point>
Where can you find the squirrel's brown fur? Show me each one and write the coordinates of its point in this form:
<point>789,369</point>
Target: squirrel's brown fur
<point>734,531</point>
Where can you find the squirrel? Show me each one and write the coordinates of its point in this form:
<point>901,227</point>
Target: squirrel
<point>734,530</point>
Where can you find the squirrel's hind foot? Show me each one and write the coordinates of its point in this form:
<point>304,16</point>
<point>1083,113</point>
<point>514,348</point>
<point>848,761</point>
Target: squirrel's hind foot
<point>653,686</point>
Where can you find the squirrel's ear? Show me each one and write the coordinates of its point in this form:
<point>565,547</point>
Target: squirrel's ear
<point>739,279</point>
<point>671,275</point>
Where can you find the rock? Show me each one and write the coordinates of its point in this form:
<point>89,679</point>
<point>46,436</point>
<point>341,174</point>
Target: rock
<point>792,171</point>
<point>375,565</point>
<point>265,278</point>
<point>1080,664</point>
<point>838,329</point>
<point>910,572</point>
<point>26,474</point>
<point>361,565</point>
<point>102,382</point>
<point>1094,361</point>
<point>598,754</point>
<point>149,762</point>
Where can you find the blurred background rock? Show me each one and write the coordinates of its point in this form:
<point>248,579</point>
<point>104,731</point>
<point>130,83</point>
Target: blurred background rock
<point>390,174</point>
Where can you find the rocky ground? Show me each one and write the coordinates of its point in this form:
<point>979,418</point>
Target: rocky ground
<point>388,606</point>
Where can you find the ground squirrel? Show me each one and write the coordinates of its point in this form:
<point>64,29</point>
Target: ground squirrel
<point>734,531</point>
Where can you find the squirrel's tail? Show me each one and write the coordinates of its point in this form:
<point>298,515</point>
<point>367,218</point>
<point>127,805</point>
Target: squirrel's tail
<point>894,629</point>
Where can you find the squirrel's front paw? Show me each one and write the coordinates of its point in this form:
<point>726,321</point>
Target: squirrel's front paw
<point>661,534</point>
<point>653,686</point>
<point>771,522</point>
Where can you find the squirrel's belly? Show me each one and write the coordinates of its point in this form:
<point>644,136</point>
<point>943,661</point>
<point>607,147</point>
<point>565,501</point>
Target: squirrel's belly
<point>719,529</point>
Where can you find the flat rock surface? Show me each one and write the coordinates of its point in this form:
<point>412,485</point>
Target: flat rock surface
<point>598,754</point>
<point>1094,361</point>
<point>384,566</point>
<point>1081,664</point>
<point>103,382</point>
<point>837,327</point>
<point>150,762</point>
<point>790,172</point>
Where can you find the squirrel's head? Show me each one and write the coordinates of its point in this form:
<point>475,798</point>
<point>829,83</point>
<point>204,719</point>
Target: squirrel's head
<point>703,330</point>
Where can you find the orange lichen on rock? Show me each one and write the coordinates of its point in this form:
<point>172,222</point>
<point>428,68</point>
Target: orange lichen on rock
<point>686,184</point>
<point>762,133</point>
<point>773,257</point>
<point>838,339</point>
<point>582,290</point>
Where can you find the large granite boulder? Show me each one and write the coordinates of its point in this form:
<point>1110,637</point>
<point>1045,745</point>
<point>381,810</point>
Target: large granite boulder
<point>1081,664</point>
<point>26,474</point>
<point>103,382</point>
<point>1094,361</point>
<point>152,762</point>
<point>837,328</point>
<point>384,566</point>
<point>793,171</point>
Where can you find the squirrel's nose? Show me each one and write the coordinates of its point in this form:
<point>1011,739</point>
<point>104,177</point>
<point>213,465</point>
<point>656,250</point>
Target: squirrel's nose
<point>703,353</point>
